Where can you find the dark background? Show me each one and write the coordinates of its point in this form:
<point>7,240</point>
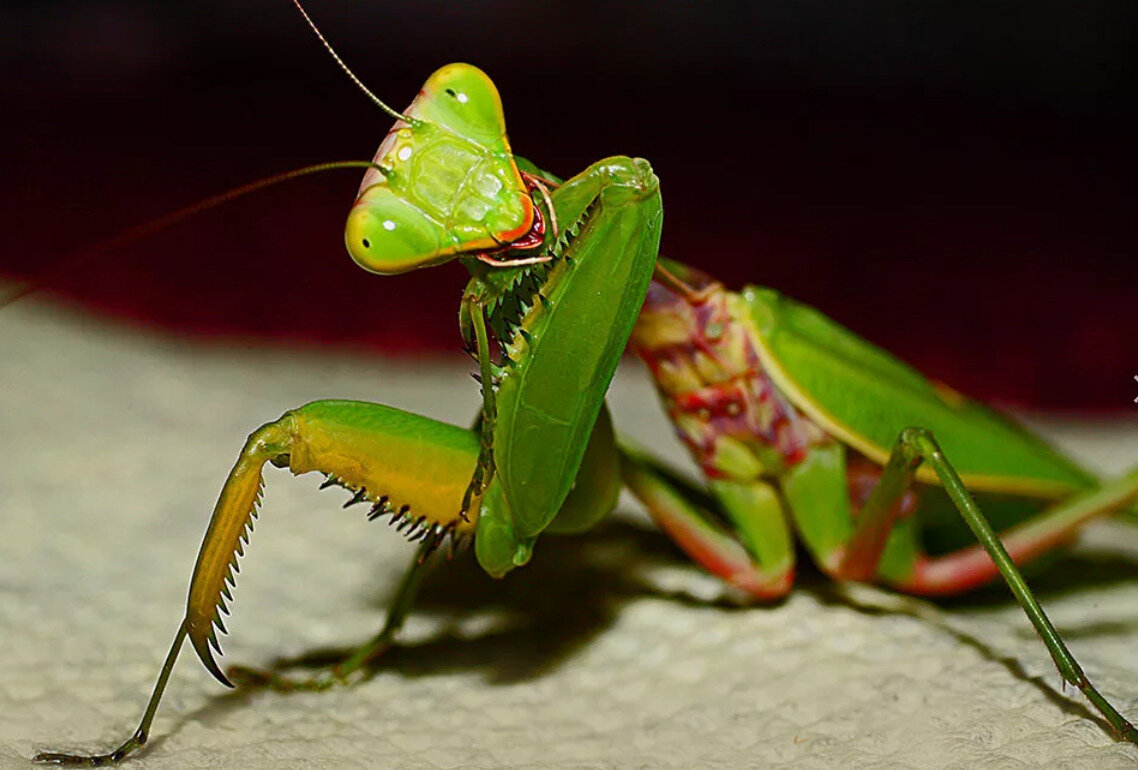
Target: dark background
<point>953,180</point>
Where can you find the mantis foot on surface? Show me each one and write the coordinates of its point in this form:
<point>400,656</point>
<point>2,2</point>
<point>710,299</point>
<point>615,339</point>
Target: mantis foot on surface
<point>141,735</point>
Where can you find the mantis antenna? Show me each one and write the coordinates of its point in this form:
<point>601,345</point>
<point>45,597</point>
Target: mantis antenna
<point>359,83</point>
<point>80,258</point>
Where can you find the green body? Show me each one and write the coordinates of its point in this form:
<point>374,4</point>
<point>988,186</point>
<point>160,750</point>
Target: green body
<point>864,398</point>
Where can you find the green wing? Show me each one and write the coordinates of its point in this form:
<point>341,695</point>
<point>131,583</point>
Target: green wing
<point>866,397</point>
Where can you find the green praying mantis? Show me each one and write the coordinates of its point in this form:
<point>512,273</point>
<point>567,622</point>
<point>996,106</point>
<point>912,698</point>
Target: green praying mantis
<point>804,430</point>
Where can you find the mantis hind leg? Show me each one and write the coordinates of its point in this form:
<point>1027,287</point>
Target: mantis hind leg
<point>956,572</point>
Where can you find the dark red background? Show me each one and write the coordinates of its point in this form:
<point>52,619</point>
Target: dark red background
<point>958,185</point>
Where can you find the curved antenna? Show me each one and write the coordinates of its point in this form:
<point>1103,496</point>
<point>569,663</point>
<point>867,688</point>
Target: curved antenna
<point>138,232</point>
<point>328,46</point>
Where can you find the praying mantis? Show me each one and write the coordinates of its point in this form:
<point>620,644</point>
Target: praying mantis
<point>517,474</point>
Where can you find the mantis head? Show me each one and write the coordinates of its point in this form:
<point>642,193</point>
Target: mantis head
<point>446,182</point>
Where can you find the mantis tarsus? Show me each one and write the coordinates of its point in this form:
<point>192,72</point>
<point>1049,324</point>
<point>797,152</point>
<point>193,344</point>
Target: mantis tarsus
<point>523,467</point>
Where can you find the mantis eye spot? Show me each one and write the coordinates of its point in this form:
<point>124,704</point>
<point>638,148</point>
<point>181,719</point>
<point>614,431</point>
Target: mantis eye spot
<point>450,92</point>
<point>366,243</point>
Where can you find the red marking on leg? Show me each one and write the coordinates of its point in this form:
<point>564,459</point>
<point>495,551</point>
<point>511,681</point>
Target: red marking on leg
<point>862,553</point>
<point>971,567</point>
<point>862,476</point>
<point>725,559</point>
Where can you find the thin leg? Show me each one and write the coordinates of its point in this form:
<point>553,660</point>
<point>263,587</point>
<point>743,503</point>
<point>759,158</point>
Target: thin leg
<point>916,445</point>
<point>971,567</point>
<point>400,608</point>
<point>341,673</point>
<point>140,736</point>
<point>472,318</point>
<point>693,286</point>
<point>878,516</point>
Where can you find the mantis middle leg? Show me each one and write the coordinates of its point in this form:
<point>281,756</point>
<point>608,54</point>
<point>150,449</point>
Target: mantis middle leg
<point>343,673</point>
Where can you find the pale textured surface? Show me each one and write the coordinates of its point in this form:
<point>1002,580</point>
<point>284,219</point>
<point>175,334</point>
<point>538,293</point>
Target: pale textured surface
<point>605,652</point>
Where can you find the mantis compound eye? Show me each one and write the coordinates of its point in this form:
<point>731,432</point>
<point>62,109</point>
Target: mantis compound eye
<point>388,235</point>
<point>465,100</point>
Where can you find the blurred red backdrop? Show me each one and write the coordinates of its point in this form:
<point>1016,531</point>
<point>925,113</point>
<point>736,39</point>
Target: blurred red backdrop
<point>957,185</point>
